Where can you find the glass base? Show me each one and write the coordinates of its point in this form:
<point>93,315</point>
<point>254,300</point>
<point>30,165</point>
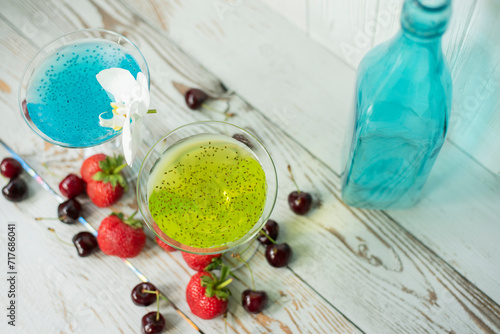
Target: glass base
<point>246,251</point>
<point>114,148</point>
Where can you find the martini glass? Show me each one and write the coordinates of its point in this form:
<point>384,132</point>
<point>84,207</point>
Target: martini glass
<point>59,96</point>
<point>207,188</point>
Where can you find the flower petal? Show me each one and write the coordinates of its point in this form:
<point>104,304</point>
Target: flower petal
<point>118,82</point>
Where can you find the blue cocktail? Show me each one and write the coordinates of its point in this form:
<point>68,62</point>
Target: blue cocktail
<point>60,96</point>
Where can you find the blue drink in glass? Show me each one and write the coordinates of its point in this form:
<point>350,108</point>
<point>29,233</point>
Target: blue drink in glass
<point>402,106</point>
<point>64,98</point>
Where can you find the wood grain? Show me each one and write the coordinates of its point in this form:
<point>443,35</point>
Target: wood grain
<point>360,262</point>
<point>457,216</point>
<point>282,314</point>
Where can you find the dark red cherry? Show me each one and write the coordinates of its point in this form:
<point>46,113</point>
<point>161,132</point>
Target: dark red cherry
<point>195,98</point>
<point>16,190</point>
<point>278,255</point>
<point>10,168</point>
<point>152,326</point>
<point>69,211</point>
<point>271,228</point>
<point>254,301</point>
<point>72,186</point>
<point>300,202</point>
<point>141,298</point>
<point>85,243</point>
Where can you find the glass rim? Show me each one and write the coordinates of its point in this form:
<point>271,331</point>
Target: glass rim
<point>37,54</point>
<point>219,249</point>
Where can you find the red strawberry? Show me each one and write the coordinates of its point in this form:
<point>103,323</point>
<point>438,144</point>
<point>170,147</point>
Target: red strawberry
<point>90,166</point>
<point>121,237</point>
<point>103,194</point>
<point>106,184</point>
<point>200,262</point>
<point>207,295</point>
<point>166,247</point>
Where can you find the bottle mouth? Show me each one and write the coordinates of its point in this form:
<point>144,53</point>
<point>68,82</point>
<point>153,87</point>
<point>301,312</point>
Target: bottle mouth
<point>433,5</point>
<point>425,18</point>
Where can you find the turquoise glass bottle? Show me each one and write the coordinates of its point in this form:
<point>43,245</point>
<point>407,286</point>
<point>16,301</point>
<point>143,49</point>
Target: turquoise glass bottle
<point>402,106</point>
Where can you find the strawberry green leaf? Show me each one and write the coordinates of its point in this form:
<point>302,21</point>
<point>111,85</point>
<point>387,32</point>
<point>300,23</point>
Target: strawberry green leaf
<point>99,176</point>
<point>216,263</point>
<point>209,291</point>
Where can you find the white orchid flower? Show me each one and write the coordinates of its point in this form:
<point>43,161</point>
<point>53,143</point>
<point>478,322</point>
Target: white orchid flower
<point>131,104</point>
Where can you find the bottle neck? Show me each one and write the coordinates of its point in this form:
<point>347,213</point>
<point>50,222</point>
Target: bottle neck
<point>425,19</point>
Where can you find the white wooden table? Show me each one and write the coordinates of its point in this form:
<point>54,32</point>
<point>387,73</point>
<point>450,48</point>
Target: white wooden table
<point>431,269</point>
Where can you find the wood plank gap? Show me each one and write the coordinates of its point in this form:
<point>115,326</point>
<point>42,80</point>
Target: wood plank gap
<point>472,158</point>
<point>17,30</point>
<point>326,300</point>
<point>434,254</point>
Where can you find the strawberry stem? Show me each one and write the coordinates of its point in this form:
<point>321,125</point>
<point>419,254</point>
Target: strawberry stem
<point>119,168</point>
<point>224,284</point>
<point>291,175</point>
<point>268,236</point>
<point>57,237</point>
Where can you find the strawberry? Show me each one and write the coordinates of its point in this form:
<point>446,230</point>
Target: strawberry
<point>104,194</point>
<point>200,262</point>
<point>166,247</point>
<point>207,295</point>
<point>121,237</point>
<point>90,166</point>
<point>106,184</point>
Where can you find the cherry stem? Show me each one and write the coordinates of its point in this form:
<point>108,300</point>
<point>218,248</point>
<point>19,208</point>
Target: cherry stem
<point>225,112</point>
<point>224,284</point>
<point>176,309</point>
<point>238,257</point>
<point>57,237</point>
<point>291,175</point>
<point>246,248</point>
<point>157,305</point>
<point>154,292</point>
<point>152,111</point>
<point>268,236</point>
<point>45,218</point>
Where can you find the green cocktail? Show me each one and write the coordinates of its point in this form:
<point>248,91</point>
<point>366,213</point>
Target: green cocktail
<point>207,191</point>
<point>202,191</point>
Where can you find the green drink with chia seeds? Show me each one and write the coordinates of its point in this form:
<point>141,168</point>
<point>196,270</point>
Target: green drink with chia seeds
<point>207,190</point>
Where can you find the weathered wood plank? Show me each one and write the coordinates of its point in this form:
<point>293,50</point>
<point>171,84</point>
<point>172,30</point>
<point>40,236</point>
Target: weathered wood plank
<point>295,11</point>
<point>282,314</point>
<point>380,275</point>
<point>438,220</point>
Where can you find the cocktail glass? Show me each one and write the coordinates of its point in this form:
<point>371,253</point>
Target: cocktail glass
<point>193,130</point>
<point>60,97</point>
